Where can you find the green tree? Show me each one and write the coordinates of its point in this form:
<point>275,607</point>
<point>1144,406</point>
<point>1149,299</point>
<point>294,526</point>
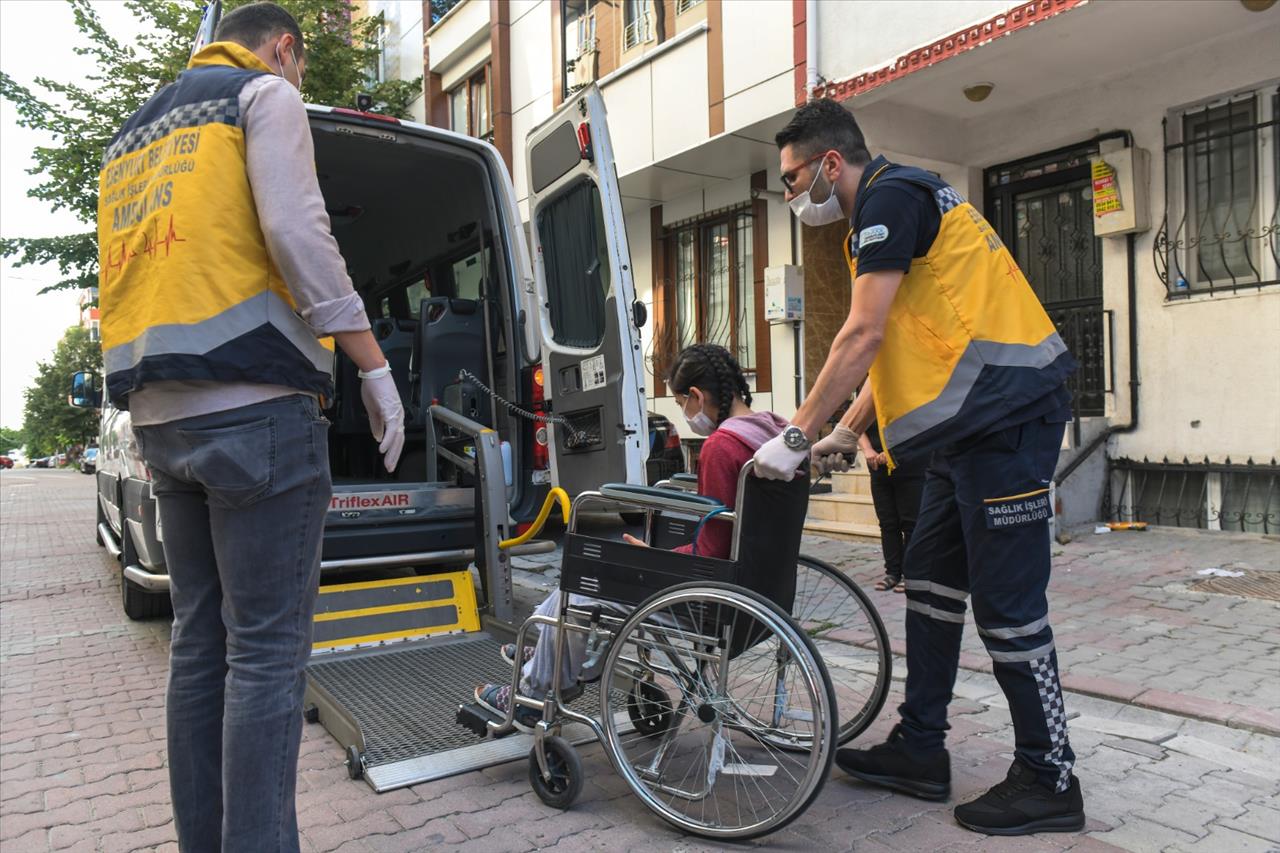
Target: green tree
<point>11,438</point>
<point>49,421</point>
<point>82,115</point>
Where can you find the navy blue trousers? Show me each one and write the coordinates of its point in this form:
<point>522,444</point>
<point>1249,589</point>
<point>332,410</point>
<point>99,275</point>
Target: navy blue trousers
<point>983,533</point>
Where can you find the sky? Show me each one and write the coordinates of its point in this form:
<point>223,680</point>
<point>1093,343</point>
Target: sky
<point>37,38</point>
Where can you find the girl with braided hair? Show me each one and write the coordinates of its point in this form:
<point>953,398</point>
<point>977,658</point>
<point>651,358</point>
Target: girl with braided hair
<point>712,392</point>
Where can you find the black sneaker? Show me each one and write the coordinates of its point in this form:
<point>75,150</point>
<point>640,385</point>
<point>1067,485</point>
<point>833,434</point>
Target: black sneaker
<point>1020,805</point>
<point>892,764</point>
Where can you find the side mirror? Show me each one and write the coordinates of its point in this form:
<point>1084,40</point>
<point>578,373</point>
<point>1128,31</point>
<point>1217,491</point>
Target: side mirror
<point>85,393</point>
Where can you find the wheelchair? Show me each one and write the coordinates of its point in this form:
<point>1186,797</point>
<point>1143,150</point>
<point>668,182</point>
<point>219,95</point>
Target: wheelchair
<point>717,707</point>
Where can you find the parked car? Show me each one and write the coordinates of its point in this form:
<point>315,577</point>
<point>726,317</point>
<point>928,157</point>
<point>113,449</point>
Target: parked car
<point>88,460</point>
<point>467,316</point>
<point>58,461</point>
<point>6,462</point>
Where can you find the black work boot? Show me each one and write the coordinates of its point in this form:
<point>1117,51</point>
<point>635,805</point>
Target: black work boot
<point>1021,805</point>
<point>893,764</point>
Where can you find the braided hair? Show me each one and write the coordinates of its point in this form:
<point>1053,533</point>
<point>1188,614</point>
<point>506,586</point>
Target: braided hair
<point>713,370</point>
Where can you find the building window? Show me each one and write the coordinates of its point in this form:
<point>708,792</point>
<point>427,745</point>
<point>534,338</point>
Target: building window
<point>470,106</point>
<point>686,5</point>
<point>637,23</point>
<point>711,287</point>
<point>581,47</point>
<point>1222,169</point>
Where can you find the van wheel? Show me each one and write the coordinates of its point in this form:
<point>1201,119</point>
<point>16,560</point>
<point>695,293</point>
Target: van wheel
<point>138,603</point>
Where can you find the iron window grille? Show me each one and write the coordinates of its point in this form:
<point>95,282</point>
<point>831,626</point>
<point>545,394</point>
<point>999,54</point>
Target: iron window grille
<point>1206,495</point>
<point>710,289</point>
<point>685,5</point>
<point>1221,225</point>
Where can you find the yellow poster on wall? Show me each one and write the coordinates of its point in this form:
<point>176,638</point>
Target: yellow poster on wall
<point>1106,191</point>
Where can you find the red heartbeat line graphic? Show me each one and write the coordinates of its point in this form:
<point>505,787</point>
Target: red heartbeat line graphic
<point>151,244</point>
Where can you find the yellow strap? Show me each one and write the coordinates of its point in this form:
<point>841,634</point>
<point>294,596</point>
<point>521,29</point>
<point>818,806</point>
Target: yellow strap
<point>1014,497</point>
<point>555,494</point>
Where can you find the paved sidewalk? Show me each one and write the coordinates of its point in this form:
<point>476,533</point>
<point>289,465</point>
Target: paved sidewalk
<point>1127,627</point>
<point>82,758</point>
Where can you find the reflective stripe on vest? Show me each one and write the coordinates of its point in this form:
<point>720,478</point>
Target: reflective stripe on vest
<point>966,341</point>
<point>186,285</point>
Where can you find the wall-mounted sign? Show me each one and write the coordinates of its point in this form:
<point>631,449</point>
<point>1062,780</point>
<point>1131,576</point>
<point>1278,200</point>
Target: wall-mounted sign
<point>1106,189</point>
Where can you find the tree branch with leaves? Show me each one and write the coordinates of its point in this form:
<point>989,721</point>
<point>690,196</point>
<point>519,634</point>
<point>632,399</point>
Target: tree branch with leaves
<point>82,116</point>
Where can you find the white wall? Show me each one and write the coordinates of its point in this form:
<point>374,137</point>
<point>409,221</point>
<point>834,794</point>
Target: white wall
<point>1207,359</point>
<point>758,60</point>
<point>531,83</point>
<point>854,37</point>
<point>466,25</point>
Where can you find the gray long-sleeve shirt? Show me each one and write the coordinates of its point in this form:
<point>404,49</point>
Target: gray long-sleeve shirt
<point>280,162</point>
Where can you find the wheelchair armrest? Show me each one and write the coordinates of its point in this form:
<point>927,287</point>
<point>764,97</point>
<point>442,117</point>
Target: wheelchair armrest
<point>651,497</point>
<point>685,482</point>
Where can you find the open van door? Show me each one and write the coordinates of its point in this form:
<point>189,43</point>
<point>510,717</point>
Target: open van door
<point>591,356</point>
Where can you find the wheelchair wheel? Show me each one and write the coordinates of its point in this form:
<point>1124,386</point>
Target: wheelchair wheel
<point>846,629</point>
<point>723,655</point>
<point>565,768</point>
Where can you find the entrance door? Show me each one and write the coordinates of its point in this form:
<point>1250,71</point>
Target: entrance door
<point>1042,209</point>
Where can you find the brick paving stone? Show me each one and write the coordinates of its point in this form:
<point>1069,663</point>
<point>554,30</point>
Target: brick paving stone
<point>82,724</point>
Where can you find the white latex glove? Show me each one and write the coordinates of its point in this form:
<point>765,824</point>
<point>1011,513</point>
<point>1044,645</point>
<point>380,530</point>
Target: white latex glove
<point>841,440</point>
<point>386,413</point>
<point>775,461</point>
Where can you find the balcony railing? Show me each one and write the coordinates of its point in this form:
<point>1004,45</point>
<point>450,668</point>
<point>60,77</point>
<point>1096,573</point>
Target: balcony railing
<point>638,31</point>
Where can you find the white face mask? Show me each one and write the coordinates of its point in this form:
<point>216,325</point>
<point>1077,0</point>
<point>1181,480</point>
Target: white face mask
<point>812,214</point>
<point>297,69</point>
<point>699,423</point>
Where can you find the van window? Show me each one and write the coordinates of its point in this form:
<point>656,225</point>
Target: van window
<point>416,292</point>
<point>576,258</point>
<point>467,275</point>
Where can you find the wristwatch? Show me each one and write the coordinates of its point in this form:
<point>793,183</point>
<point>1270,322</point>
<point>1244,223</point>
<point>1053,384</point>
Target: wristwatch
<point>795,439</point>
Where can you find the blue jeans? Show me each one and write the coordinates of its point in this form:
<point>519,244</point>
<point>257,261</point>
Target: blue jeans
<point>983,531</point>
<point>242,496</point>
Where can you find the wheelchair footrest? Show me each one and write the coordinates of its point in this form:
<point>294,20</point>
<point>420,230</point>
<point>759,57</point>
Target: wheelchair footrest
<point>474,717</point>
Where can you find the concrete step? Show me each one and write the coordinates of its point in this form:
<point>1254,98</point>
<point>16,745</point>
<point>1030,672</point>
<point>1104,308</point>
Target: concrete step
<point>855,482</point>
<point>843,530</point>
<point>851,509</point>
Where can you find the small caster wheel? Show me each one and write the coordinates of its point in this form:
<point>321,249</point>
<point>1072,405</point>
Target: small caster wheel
<point>649,708</point>
<point>355,762</point>
<point>311,714</point>
<point>565,767</point>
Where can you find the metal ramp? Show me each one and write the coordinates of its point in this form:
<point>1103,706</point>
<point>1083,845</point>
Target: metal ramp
<point>395,658</point>
<point>403,703</point>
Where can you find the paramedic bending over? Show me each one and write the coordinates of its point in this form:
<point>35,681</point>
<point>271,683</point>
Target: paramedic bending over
<point>967,370</point>
<point>708,385</point>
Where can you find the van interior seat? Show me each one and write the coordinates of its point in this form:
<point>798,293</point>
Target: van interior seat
<point>451,339</point>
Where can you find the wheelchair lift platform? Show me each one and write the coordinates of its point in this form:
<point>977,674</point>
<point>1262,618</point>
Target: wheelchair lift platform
<point>394,709</point>
<point>393,659</point>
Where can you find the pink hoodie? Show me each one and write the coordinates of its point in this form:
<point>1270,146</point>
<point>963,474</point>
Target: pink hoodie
<point>723,454</point>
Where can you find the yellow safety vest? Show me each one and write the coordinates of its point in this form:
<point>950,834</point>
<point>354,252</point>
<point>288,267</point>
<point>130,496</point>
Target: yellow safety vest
<point>186,287</point>
<point>966,342</point>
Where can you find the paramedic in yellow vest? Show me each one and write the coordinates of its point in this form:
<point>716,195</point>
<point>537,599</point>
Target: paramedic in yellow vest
<point>968,372</point>
<point>218,275</point>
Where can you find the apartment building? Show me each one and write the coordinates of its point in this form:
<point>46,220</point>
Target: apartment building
<point>1166,285</point>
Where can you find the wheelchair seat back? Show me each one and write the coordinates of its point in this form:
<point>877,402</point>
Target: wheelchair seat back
<point>770,524</point>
